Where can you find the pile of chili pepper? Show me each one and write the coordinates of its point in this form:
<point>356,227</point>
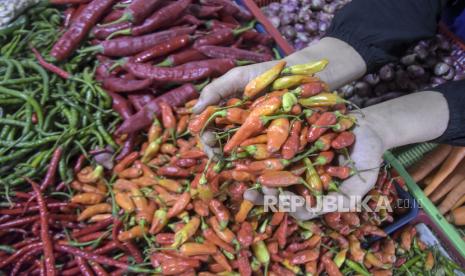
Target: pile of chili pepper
<point>169,206</point>
<point>289,137</point>
<point>47,120</point>
<point>152,51</point>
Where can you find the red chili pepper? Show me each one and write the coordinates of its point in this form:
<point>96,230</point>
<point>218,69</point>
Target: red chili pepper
<point>52,169</point>
<point>44,230</point>
<point>138,10</point>
<point>173,171</point>
<point>83,267</point>
<point>66,2</point>
<point>220,211</point>
<point>324,142</point>
<point>203,11</point>
<point>140,100</point>
<point>80,27</point>
<point>230,8</point>
<point>192,71</point>
<point>291,146</point>
<point>23,259</point>
<point>243,263</point>
<point>180,205</point>
<point>123,85</point>
<point>176,97</point>
<point>158,19</point>
<point>182,57</point>
<point>245,234</point>
<point>277,133</point>
<point>127,46</point>
<point>210,236</point>
<point>339,172</point>
<point>261,39</point>
<point>121,105</point>
<point>103,32</point>
<point>213,51</point>
<point>33,246</point>
<point>278,179</point>
<point>164,48</point>
<point>50,67</point>
<point>164,238</point>
<point>67,16</point>
<point>321,126</point>
<point>343,140</point>
<point>98,269</point>
<point>92,228</point>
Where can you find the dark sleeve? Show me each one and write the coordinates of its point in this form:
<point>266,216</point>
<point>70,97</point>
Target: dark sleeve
<point>380,30</point>
<point>454,92</point>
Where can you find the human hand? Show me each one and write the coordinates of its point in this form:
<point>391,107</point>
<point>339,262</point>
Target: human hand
<point>345,65</point>
<point>366,155</point>
<point>413,118</point>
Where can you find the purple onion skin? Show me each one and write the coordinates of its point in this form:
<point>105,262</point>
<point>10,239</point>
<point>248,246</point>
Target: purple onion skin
<point>275,21</point>
<point>317,5</point>
<point>274,6</point>
<point>363,89</point>
<point>450,75</point>
<point>286,19</point>
<point>288,32</point>
<point>441,68</point>
<point>386,73</point>
<point>415,71</point>
<point>408,59</point>
<point>330,8</point>
<point>347,91</point>
<point>299,27</point>
<point>311,27</point>
<point>381,89</point>
<point>299,44</point>
<point>372,79</point>
<point>323,26</point>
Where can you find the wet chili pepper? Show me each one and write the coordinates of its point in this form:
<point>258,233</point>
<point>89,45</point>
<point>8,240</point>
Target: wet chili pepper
<point>223,233</point>
<point>260,139</point>
<point>138,10</point>
<point>278,179</point>
<point>306,69</point>
<point>186,232</point>
<point>245,234</point>
<point>210,236</point>
<point>230,8</point>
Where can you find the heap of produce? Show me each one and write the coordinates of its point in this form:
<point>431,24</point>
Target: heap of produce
<point>442,174</point>
<point>425,65</point>
<point>83,193</point>
<point>47,120</point>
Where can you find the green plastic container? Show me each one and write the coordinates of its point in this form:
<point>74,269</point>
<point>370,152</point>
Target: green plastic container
<point>410,156</point>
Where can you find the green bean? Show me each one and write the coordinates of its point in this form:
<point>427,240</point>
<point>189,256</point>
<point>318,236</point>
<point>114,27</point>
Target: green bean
<point>19,68</point>
<point>51,114</point>
<point>356,267</point>
<point>106,136</point>
<point>28,115</point>
<point>19,81</point>
<point>35,105</point>
<point>8,49</point>
<point>15,155</point>
<point>30,144</point>
<point>5,121</point>
<point>9,68</point>
<point>10,101</point>
<point>45,79</point>
<point>5,131</point>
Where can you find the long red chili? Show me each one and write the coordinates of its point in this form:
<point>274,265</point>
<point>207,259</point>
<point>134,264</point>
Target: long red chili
<point>6,261</point>
<point>80,27</point>
<point>161,18</point>
<point>230,7</point>
<point>203,11</point>
<point>83,267</point>
<point>122,85</point>
<point>182,57</point>
<point>176,97</point>
<point>321,126</point>
<point>213,51</point>
<point>93,257</point>
<point>164,48</point>
<point>44,230</point>
<point>50,67</point>
<point>92,228</point>
<point>24,258</point>
<point>188,72</point>
<point>139,10</point>
<point>52,169</point>
<point>139,100</point>
<point>127,46</point>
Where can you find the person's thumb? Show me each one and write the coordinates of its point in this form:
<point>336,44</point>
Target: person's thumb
<point>222,88</point>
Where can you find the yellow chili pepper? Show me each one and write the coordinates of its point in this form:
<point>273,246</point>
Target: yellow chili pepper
<point>244,209</point>
<point>258,84</point>
<point>307,68</point>
<point>322,99</point>
<point>292,81</point>
<point>186,232</point>
<point>312,178</point>
<point>94,210</point>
